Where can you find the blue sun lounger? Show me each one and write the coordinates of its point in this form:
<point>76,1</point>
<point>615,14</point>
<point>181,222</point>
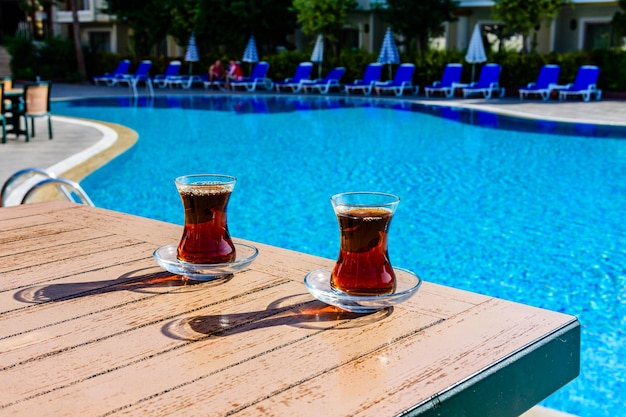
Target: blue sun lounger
<point>371,76</point>
<point>403,80</point>
<point>584,85</point>
<point>487,84</point>
<point>111,78</point>
<point>330,81</point>
<point>141,75</point>
<point>450,81</point>
<point>302,74</point>
<point>169,77</point>
<point>547,81</point>
<point>258,78</point>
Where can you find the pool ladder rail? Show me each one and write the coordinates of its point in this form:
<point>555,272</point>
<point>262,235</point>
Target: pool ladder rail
<point>70,189</point>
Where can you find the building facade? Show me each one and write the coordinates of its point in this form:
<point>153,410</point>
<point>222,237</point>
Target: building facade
<point>581,25</point>
<point>101,32</point>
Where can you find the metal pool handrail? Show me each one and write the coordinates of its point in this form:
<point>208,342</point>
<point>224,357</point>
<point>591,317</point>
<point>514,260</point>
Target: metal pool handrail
<point>68,188</point>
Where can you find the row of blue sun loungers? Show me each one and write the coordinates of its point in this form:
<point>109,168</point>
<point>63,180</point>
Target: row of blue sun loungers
<point>487,86</point>
<point>171,77</point>
<point>120,76</point>
<point>584,85</point>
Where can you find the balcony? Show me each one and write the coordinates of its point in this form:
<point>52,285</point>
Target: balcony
<point>88,11</point>
<point>65,16</point>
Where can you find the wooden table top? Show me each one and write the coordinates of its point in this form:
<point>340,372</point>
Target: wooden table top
<point>90,325</point>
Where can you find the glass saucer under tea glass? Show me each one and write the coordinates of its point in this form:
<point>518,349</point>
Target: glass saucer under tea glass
<point>166,257</point>
<point>318,284</point>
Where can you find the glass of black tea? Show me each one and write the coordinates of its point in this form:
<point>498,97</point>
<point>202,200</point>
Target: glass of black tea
<point>363,266</point>
<point>205,239</point>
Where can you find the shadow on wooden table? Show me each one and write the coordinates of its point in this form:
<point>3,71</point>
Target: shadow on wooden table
<point>297,311</point>
<point>142,280</point>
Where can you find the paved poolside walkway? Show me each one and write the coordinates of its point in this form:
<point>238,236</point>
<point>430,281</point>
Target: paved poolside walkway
<point>81,146</point>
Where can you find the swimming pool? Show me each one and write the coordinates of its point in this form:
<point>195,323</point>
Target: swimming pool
<point>524,210</point>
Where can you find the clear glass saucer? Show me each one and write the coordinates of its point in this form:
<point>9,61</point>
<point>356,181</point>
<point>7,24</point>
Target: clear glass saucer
<point>166,257</point>
<point>318,284</point>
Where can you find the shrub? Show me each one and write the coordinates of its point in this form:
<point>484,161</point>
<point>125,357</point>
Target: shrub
<point>55,59</point>
<point>429,65</point>
<point>22,53</point>
<point>612,64</point>
<point>284,64</point>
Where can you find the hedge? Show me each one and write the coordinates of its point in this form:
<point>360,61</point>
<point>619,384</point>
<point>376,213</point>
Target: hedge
<point>56,60</point>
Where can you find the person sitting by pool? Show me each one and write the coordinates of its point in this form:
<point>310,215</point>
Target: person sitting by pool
<point>234,73</point>
<point>216,72</point>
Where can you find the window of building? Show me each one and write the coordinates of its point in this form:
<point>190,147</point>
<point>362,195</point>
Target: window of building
<point>81,5</point>
<point>597,36</point>
<point>100,41</point>
<point>350,38</point>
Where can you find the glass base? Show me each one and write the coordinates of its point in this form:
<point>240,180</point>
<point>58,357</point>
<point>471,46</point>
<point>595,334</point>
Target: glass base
<point>318,284</point>
<point>166,257</point>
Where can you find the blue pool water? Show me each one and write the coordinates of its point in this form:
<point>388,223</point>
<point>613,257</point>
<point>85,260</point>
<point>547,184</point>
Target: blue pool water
<point>524,210</point>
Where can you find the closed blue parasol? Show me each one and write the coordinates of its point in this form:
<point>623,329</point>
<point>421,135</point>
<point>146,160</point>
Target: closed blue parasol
<point>250,54</point>
<point>389,51</point>
<point>192,52</point>
<point>476,50</point>
<point>318,54</point>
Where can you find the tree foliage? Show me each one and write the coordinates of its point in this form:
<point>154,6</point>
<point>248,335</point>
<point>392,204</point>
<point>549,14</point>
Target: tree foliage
<point>149,19</point>
<point>231,23</point>
<point>183,14</point>
<point>619,22</point>
<point>323,16</point>
<point>418,21</point>
<point>217,24</point>
<point>524,16</point>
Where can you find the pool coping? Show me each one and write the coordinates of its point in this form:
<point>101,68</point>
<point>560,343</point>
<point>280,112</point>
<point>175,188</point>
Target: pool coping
<point>115,139</point>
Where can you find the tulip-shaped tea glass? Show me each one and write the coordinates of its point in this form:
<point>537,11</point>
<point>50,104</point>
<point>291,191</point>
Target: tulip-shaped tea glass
<point>363,266</point>
<point>205,239</point>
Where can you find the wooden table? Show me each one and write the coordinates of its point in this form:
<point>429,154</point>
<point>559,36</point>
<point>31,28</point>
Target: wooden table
<point>91,326</point>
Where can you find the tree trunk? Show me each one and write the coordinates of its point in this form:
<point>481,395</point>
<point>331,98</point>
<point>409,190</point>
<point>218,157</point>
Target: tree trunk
<point>526,40</point>
<point>422,42</point>
<point>80,58</point>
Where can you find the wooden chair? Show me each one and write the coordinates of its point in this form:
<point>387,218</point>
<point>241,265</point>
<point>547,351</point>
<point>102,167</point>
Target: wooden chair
<point>36,104</point>
<point>8,85</point>
<point>7,81</point>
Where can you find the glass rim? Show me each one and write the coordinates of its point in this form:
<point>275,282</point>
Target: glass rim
<point>212,178</point>
<point>392,199</point>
